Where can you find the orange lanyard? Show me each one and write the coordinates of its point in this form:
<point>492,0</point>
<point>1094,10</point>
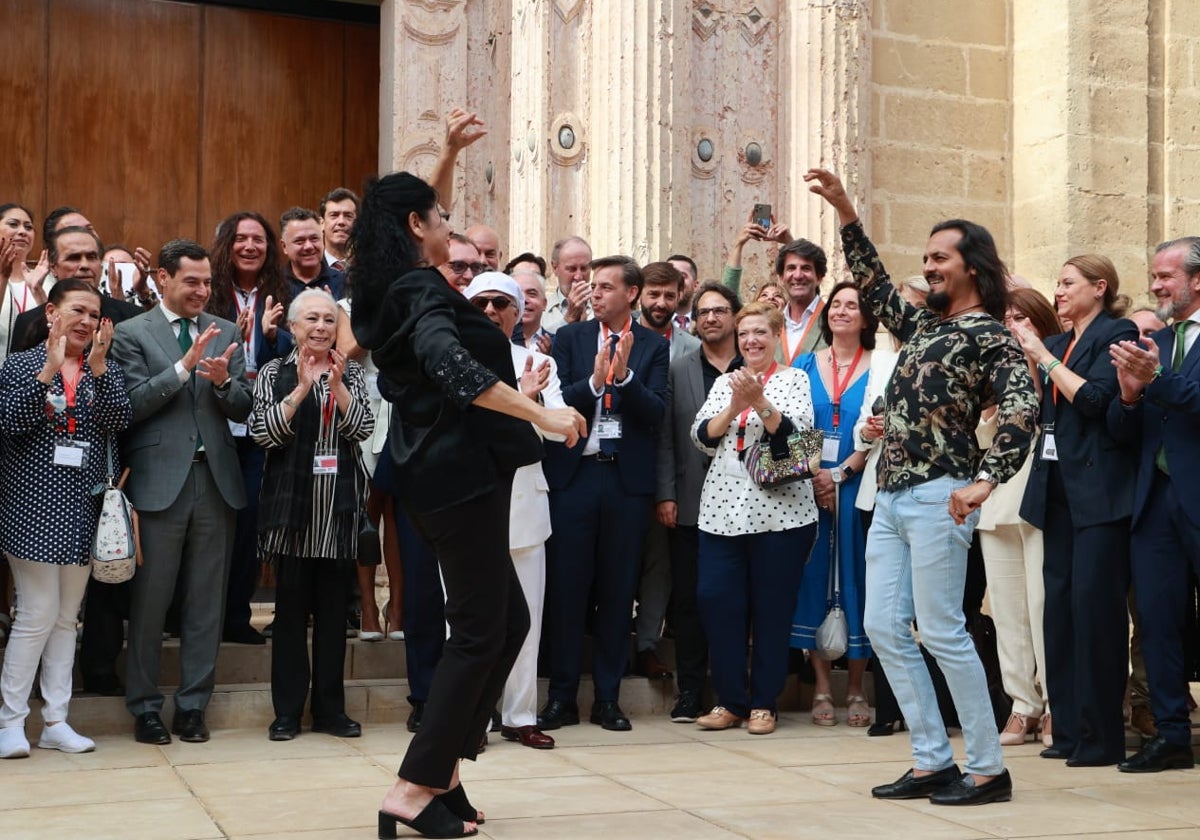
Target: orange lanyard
<point>70,386</point>
<point>605,333</point>
<point>839,389</point>
<point>791,357</point>
<point>1066,358</point>
<point>745,415</point>
<point>329,409</point>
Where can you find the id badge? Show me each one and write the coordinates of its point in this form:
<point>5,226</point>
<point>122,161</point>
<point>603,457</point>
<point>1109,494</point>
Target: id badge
<point>325,463</point>
<point>71,453</point>
<point>238,429</point>
<point>608,427</point>
<point>831,448</point>
<point>734,466</point>
<point>1049,448</point>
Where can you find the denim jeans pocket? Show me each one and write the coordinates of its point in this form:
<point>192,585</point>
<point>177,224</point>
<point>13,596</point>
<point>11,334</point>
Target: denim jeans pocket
<point>936,492</point>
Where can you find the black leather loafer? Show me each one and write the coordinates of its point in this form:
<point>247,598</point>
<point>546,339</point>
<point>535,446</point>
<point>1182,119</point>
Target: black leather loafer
<point>284,728</point>
<point>148,728</point>
<point>1054,752</point>
<point>414,717</point>
<point>910,786</point>
<point>339,727</point>
<point>557,714</point>
<point>189,726</point>
<point>1158,755</point>
<point>966,792</point>
<point>609,716</point>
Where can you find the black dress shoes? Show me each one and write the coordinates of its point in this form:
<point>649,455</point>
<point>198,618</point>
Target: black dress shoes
<point>189,726</point>
<point>1158,755</point>
<point>148,729</point>
<point>243,635</point>
<point>609,716</point>
<point>966,792</point>
<point>910,786</point>
<point>1054,752</point>
<point>414,717</point>
<point>284,728</point>
<point>557,714</point>
<point>339,727</point>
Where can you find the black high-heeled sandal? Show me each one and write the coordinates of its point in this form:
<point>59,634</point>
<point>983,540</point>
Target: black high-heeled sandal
<point>456,800</point>
<point>435,820</point>
<point>889,727</point>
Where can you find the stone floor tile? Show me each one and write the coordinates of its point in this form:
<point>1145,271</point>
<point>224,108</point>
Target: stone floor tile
<point>1166,800</point>
<point>788,752</point>
<point>518,798</point>
<point>113,752</point>
<point>854,819</point>
<point>659,758</point>
<point>151,819</point>
<point>589,735</point>
<point>273,776</point>
<point>660,825</point>
<point>90,786</point>
<point>252,745</point>
<point>1038,812</point>
<point>1143,834</point>
<point>854,777</point>
<point>349,810</point>
<point>507,760</point>
<point>731,788</point>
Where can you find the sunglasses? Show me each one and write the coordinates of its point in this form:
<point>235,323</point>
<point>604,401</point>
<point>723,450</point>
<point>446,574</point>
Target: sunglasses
<point>459,267</point>
<point>499,303</point>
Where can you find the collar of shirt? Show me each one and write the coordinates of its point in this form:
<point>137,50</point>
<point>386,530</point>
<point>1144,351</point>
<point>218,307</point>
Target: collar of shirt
<point>172,318</point>
<point>1189,335</point>
<point>808,311</point>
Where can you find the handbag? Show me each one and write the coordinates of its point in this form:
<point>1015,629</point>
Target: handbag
<point>370,552</point>
<point>773,463</point>
<point>833,636</point>
<point>116,548</point>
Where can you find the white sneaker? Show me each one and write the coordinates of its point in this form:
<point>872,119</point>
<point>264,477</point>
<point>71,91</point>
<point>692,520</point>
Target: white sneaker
<point>63,738</point>
<point>13,743</point>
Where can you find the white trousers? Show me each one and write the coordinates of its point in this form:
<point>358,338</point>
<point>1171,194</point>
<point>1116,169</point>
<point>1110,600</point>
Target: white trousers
<point>1012,557</point>
<point>519,704</point>
<point>48,599</point>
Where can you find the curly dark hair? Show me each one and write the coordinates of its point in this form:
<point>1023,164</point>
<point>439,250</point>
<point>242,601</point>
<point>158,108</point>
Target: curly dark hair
<point>224,272</point>
<point>380,244</point>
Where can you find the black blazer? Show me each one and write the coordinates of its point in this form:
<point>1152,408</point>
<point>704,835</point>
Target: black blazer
<point>436,353</point>
<point>111,308</point>
<point>641,404</point>
<point>1097,473</point>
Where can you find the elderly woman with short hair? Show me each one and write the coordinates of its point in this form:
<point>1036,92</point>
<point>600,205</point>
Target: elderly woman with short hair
<point>310,412</point>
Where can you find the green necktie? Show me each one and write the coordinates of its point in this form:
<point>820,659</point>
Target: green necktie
<point>1160,457</point>
<point>185,334</point>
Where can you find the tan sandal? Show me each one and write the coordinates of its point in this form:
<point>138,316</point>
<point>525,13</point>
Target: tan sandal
<point>823,716</point>
<point>859,712</point>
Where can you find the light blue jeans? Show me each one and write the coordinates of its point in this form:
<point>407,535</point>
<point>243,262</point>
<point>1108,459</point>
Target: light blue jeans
<point>917,568</point>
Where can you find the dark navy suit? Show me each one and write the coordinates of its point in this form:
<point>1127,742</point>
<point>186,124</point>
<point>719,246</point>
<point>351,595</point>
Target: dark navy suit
<point>1082,503</point>
<point>1166,526</point>
<point>599,511</point>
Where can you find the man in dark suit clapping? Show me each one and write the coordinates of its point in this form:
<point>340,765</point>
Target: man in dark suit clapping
<point>614,372</point>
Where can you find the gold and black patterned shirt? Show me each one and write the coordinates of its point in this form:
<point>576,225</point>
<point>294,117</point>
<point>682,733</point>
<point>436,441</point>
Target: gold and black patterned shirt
<point>947,373</point>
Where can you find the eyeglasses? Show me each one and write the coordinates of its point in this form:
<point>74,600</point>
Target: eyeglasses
<point>499,303</point>
<point>459,267</point>
<point>714,310</point>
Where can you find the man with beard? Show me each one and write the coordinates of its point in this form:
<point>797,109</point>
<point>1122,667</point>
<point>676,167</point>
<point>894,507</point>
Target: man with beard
<point>681,469</point>
<point>957,358</point>
<point>664,285</point>
<point>1157,411</point>
<point>683,309</point>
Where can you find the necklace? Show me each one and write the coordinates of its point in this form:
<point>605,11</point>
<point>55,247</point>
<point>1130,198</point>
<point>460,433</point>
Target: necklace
<point>961,311</point>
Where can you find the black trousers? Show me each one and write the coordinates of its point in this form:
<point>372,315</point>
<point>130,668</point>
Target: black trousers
<point>691,645</point>
<point>309,586</point>
<point>244,564</point>
<point>104,612</point>
<point>1086,624</point>
<point>489,620</point>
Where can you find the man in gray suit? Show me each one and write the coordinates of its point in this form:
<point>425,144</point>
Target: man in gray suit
<point>186,377</point>
<point>681,469</point>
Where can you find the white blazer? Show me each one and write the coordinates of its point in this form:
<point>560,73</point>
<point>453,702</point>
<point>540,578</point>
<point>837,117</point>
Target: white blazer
<point>529,515</point>
<point>883,363</point>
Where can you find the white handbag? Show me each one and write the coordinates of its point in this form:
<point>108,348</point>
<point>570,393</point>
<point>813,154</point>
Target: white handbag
<point>833,636</point>
<point>115,546</point>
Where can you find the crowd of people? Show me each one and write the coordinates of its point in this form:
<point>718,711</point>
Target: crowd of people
<point>539,462</point>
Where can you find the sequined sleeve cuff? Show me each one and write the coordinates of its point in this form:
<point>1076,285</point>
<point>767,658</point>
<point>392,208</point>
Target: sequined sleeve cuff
<point>460,377</point>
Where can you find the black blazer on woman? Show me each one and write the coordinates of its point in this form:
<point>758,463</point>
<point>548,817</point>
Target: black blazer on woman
<point>1097,472</point>
<point>436,353</point>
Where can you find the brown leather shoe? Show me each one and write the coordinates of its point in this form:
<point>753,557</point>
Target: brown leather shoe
<point>530,736</point>
<point>762,722</point>
<point>719,718</point>
<point>651,667</point>
<point>1141,721</point>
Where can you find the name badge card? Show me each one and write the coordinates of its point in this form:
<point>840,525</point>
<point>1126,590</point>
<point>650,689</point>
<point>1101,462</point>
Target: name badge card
<point>1049,448</point>
<point>325,464</point>
<point>734,466</point>
<point>608,427</point>
<point>238,429</point>
<point>71,453</point>
<point>830,448</point>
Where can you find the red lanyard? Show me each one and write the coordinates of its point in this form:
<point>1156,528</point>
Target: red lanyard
<point>328,409</point>
<point>69,388</point>
<point>21,307</point>
<point>791,357</point>
<point>839,389</point>
<point>1066,357</point>
<point>605,332</point>
<point>239,307</point>
<point>745,415</point>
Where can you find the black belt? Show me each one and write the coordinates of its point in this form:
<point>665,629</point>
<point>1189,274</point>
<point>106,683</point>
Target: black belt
<point>200,456</point>
<point>604,457</point>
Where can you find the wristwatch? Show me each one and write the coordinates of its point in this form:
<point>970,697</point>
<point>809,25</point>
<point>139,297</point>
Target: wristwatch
<point>766,412</point>
<point>984,475</point>
<point>837,474</point>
